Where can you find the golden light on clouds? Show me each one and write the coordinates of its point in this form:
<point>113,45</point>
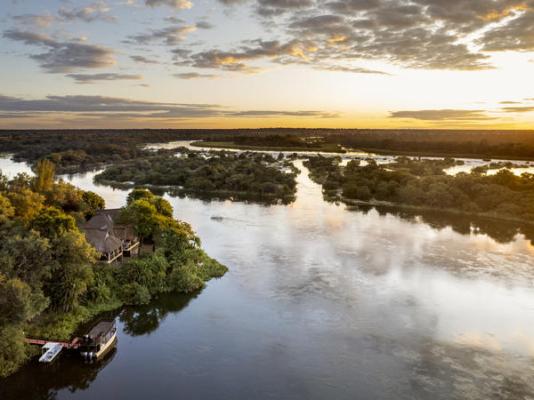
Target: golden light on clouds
<point>266,63</point>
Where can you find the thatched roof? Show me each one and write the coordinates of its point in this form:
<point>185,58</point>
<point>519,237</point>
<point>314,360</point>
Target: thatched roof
<point>104,234</point>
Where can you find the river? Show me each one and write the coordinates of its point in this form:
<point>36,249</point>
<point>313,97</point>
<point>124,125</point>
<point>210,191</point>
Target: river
<point>321,302</point>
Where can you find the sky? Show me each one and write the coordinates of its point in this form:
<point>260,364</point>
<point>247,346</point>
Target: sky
<point>458,64</point>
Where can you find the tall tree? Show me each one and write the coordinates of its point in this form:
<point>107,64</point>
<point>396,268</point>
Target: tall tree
<point>45,173</point>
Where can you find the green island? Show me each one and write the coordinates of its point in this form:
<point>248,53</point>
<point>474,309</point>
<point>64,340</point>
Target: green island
<point>424,184</point>
<point>52,279</point>
<point>272,143</point>
<point>212,174</point>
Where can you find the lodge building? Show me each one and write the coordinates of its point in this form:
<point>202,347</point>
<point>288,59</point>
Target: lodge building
<point>112,240</point>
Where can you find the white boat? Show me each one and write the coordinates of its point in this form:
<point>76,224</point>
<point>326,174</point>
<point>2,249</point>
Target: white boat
<point>100,339</point>
<point>50,351</point>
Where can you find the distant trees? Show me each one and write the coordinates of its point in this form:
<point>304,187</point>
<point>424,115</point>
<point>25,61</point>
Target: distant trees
<point>422,183</point>
<point>249,175</point>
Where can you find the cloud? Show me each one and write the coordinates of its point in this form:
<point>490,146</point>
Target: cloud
<point>113,107</point>
<point>143,60</point>
<point>442,115</point>
<point>194,75</point>
<point>427,34</point>
<point>270,114</point>
<point>254,50</point>
<point>351,70</point>
<point>177,4</point>
<point>171,35</point>
<point>61,57</point>
<point>98,11</point>
<point>35,20</point>
<point>523,109</point>
<point>92,78</point>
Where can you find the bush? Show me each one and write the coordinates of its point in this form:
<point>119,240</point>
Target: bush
<point>134,294</point>
<point>12,350</point>
<point>184,278</point>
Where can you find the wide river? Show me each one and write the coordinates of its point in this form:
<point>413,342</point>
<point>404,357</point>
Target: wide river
<point>320,302</point>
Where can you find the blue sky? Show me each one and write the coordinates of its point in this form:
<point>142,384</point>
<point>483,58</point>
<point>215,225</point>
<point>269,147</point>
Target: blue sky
<point>250,63</point>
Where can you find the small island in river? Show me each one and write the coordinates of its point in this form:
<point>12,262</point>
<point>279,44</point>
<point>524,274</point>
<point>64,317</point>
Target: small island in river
<point>212,174</point>
<point>423,183</point>
<point>55,274</point>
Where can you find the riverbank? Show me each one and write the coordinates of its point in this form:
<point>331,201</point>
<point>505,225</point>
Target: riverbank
<point>469,156</point>
<point>323,148</point>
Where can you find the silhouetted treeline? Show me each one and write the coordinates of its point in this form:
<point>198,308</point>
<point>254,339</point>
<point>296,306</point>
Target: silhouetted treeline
<point>78,149</point>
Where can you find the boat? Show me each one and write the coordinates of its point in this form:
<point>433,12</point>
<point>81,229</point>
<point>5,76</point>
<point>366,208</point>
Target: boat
<point>50,351</point>
<point>99,341</point>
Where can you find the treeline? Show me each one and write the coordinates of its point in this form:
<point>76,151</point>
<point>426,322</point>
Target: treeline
<point>417,183</point>
<point>251,176</point>
<point>74,150</point>
<point>50,280</point>
<point>479,144</point>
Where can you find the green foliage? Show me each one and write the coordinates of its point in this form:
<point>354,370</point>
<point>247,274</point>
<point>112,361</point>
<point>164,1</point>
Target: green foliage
<point>422,183</point>
<point>134,294</point>
<point>242,176</point>
<point>24,255</point>
<point>52,222</point>
<point>27,204</point>
<point>45,171</point>
<point>17,302</point>
<point>12,350</point>
<point>71,273</point>
<point>139,194</point>
<point>93,202</point>
<point>148,271</point>
<point>143,216</point>
<point>50,280</point>
<point>185,278</point>
<point>6,209</point>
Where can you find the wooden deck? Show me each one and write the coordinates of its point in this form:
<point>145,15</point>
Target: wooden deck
<point>66,345</point>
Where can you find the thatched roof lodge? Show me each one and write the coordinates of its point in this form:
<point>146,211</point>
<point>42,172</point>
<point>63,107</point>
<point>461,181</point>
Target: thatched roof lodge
<point>110,238</point>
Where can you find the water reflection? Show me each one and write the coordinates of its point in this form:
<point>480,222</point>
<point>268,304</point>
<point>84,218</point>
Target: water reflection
<point>38,382</point>
<point>143,320</point>
<point>323,301</point>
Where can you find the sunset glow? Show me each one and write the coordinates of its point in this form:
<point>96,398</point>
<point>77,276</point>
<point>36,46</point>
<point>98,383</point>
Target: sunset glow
<point>267,63</point>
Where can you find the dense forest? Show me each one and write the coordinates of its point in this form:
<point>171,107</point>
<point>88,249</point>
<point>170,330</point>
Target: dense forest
<point>469,144</point>
<point>74,150</point>
<point>251,176</point>
<point>423,183</point>
<point>50,280</point>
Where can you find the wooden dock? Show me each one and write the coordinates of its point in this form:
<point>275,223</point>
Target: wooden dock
<point>66,345</point>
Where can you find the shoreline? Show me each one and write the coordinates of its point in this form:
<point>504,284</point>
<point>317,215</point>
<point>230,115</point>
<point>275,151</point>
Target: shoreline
<point>385,152</point>
<point>378,203</point>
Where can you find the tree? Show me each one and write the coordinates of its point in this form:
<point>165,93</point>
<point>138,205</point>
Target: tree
<point>71,273</point>
<point>24,255</point>
<point>139,194</point>
<point>17,302</point>
<point>45,173</point>
<point>162,206</point>
<point>12,351</point>
<point>144,217</point>
<point>27,204</point>
<point>51,222</point>
<point>93,202</point>
<point>6,209</point>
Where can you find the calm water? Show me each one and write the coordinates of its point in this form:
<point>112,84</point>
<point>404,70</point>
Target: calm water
<point>322,302</point>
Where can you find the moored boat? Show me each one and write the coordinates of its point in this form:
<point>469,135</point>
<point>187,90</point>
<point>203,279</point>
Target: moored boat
<point>100,339</point>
